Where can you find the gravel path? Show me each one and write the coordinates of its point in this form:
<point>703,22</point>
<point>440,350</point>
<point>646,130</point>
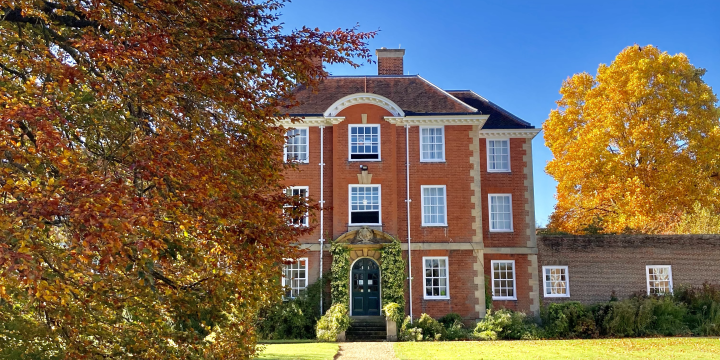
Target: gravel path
<point>366,350</point>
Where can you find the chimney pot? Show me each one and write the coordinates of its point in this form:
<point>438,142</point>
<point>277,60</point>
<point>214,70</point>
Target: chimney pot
<point>390,61</point>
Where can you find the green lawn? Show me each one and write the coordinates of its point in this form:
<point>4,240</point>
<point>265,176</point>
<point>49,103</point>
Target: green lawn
<point>655,348</point>
<point>300,351</point>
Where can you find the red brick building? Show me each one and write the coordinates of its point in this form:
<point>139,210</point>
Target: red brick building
<point>446,172</point>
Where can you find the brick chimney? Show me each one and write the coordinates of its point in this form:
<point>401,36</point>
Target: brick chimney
<point>390,61</point>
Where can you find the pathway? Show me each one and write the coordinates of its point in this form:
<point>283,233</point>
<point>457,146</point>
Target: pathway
<point>366,350</point>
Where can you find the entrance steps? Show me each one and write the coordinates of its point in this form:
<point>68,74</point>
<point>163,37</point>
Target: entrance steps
<point>366,328</point>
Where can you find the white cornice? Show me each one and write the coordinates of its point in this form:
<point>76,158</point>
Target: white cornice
<point>363,98</point>
<point>312,121</point>
<point>509,133</point>
<point>438,120</point>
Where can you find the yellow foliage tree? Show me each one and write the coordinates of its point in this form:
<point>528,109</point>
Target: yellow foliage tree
<point>635,146</point>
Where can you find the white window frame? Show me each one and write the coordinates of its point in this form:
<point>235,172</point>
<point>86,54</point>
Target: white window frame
<point>647,276</point>
<point>545,281</point>
<point>307,145</point>
<point>350,186</point>
<point>487,151</point>
<point>349,143</point>
<point>490,224</point>
<point>306,222</point>
<point>492,279</point>
<point>447,278</point>
<point>422,204</point>
<point>288,282</point>
<point>443,144</point>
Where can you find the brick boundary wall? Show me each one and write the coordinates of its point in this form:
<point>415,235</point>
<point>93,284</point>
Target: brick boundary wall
<point>601,264</point>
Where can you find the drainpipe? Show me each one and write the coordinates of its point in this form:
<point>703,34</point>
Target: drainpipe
<point>407,202</point>
<point>322,203</point>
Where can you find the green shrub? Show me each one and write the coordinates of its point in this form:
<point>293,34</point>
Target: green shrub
<point>668,317</point>
<point>456,331</point>
<point>293,318</point>
<point>394,312</point>
<point>431,328</point>
<point>454,327</point>
<point>408,332</point>
<point>569,320</point>
<point>506,325</point>
<point>450,319</point>
<point>425,328</point>
<point>335,321</point>
<point>703,308</point>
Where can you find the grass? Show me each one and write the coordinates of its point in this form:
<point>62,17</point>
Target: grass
<point>300,351</point>
<point>654,348</point>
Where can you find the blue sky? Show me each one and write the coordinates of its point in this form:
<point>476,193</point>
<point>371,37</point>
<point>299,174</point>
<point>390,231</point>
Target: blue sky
<point>517,53</point>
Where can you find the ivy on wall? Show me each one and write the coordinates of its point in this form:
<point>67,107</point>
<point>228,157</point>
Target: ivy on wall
<point>392,272</point>
<point>340,270</point>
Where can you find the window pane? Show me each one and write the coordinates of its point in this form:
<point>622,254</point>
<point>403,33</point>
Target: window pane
<point>500,212</point>
<point>433,205</point>
<point>503,279</point>
<point>297,145</point>
<point>498,155</point>
<point>364,142</point>
<point>436,281</point>
<point>294,278</point>
<point>431,144</point>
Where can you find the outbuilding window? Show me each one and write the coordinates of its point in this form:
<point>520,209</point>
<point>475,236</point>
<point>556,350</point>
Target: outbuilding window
<point>556,282</point>
<point>659,279</point>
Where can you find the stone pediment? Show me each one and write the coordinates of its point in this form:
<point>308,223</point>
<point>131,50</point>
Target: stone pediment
<point>365,236</point>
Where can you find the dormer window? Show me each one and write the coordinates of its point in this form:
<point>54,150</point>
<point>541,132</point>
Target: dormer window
<point>364,142</point>
<point>296,147</point>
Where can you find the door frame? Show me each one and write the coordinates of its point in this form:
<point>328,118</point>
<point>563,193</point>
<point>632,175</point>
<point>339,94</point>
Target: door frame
<point>350,282</point>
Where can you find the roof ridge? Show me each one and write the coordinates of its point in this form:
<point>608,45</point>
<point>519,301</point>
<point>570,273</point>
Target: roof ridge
<point>446,93</point>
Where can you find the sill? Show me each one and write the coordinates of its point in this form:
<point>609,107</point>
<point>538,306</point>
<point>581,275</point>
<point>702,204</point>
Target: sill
<point>501,231</point>
<point>352,224</point>
<point>436,298</point>
<point>297,162</point>
<point>433,161</point>
<point>435,225</point>
<point>504,298</point>
<point>499,171</point>
<point>556,296</point>
<point>355,160</point>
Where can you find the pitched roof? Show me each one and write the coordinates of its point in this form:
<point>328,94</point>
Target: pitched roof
<point>413,94</point>
<point>499,118</point>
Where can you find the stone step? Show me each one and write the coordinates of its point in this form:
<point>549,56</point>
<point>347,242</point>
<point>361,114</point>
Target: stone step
<point>366,338</point>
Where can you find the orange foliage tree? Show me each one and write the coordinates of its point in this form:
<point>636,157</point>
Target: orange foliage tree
<point>635,146</point>
<point>141,204</point>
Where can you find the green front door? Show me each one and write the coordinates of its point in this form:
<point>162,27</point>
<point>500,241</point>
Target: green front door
<point>365,288</point>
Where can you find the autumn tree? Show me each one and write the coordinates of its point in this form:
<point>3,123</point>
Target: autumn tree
<point>635,146</point>
<point>141,212</point>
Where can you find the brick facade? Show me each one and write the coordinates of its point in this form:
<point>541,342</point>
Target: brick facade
<point>466,239</point>
<point>601,265</point>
